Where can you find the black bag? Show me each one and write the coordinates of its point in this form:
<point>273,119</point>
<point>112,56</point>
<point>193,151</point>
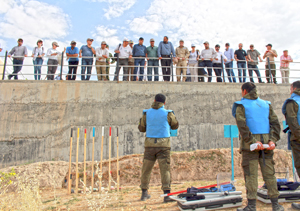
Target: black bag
<point>116,54</point>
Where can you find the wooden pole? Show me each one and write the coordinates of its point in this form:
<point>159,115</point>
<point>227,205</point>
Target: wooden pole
<point>70,165</point>
<point>93,159</point>
<point>77,161</point>
<point>84,163</point>
<point>109,160</point>
<point>101,158</point>
<point>118,170</point>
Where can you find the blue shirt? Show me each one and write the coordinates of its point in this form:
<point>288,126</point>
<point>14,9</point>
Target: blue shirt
<point>229,55</point>
<point>165,49</point>
<point>74,51</point>
<point>139,50</point>
<point>87,52</point>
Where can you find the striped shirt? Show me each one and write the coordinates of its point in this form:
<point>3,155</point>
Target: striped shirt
<point>283,64</point>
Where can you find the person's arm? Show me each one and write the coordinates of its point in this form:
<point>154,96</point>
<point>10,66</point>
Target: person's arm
<point>12,51</point>
<point>291,118</point>
<point>274,53</point>
<point>133,50</point>
<point>249,57</point>
<point>187,53</point>
<point>240,117</point>
<point>106,55</point>
<point>159,51</point>
<point>246,56</point>
<point>142,124</point>
<point>25,52</point>
<point>173,121</point>
<point>235,57</point>
<point>274,134</point>
<point>224,57</point>
<point>172,49</point>
<point>80,52</point>
<point>260,58</point>
<point>290,60</point>
<point>145,51</point>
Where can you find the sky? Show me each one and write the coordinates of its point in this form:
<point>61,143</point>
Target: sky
<point>195,21</point>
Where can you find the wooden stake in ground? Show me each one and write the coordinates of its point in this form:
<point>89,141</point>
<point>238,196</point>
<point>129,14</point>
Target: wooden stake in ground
<point>101,158</point>
<point>70,165</point>
<point>93,159</point>
<point>76,190</point>
<point>84,163</point>
<point>118,170</point>
<point>109,160</point>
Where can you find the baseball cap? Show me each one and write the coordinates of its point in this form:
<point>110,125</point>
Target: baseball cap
<point>193,45</point>
<point>55,43</point>
<point>20,39</point>
<point>206,42</point>
<point>73,42</point>
<point>152,40</point>
<point>181,40</point>
<point>130,42</point>
<point>89,39</point>
<point>125,40</point>
<point>227,44</point>
<point>217,45</point>
<point>285,51</point>
<point>103,43</point>
<point>107,46</point>
<point>251,45</point>
<point>141,38</point>
<point>269,45</point>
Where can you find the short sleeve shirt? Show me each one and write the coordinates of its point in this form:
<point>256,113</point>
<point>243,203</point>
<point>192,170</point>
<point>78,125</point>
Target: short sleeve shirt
<point>254,56</point>
<point>87,52</point>
<point>241,54</point>
<point>271,57</point>
<point>69,50</point>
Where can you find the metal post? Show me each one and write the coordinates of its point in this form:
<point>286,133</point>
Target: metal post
<point>62,64</point>
<point>232,160</point>
<point>269,66</point>
<point>4,67</point>
<point>118,71</point>
<point>172,67</point>
<point>222,63</point>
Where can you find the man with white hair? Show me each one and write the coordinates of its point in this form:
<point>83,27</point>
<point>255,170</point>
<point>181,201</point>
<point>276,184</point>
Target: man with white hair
<point>125,53</point>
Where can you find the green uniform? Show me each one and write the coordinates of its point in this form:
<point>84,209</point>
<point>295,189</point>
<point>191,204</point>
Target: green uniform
<point>291,120</point>
<point>113,60</point>
<point>157,149</point>
<point>251,159</point>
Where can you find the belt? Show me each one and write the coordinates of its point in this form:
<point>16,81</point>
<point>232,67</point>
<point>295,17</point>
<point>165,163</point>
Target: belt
<point>140,56</point>
<point>165,55</point>
<point>123,58</point>
<point>19,59</point>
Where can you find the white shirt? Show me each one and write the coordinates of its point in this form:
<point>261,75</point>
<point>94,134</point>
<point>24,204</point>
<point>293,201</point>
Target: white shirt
<point>52,51</point>
<point>100,52</point>
<point>218,56</point>
<point>125,52</point>
<point>37,52</point>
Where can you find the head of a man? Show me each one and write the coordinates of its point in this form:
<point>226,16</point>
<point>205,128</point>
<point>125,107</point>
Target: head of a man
<point>103,45</point>
<point>206,45</point>
<point>89,41</point>
<point>160,98</point>
<point>240,46</point>
<point>141,41</point>
<point>39,43</point>
<point>107,46</point>
<point>152,41</point>
<point>125,42</point>
<point>252,47</point>
<point>166,39</point>
<point>55,45</point>
<point>295,85</point>
<point>285,53</point>
<point>73,44</point>
<point>217,47</point>
<point>181,43</point>
<point>227,45</point>
<point>20,42</point>
<point>247,87</point>
<point>269,47</point>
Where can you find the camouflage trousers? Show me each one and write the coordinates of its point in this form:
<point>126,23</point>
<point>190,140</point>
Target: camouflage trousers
<point>296,153</point>
<point>107,71</point>
<point>250,161</point>
<point>151,154</point>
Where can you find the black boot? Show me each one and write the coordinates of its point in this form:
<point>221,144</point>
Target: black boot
<point>296,206</point>
<point>276,206</point>
<point>167,198</point>
<point>145,195</point>
<point>250,207</point>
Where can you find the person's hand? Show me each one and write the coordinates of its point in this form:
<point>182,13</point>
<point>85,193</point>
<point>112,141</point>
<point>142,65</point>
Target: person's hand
<point>225,60</point>
<point>231,59</point>
<point>147,58</point>
<point>159,58</point>
<point>211,59</point>
<point>216,59</point>
<point>183,58</point>
<point>259,146</point>
<point>25,55</point>
<point>197,59</point>
<point>261,60</point>
<point>80,56</point>
<point>202,59</point>
<point>117,51</point>
<point>104,56</point>
<point>130,56</point>
<point>9,56</point>
<point>271,145</point>
<point>251,60</point>
<point>33,55</point>
<point>178,58</point>
<point>109,63</point>
<point>236,59</point>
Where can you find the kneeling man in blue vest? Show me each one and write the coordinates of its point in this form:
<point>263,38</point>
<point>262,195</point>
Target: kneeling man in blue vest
<point>159,124</point>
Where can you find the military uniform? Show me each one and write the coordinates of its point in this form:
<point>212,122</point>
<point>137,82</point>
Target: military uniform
<point>113,60</point>
<point>181,52</point>
<point>257,122</point>
<point>157,143</point>
<point>131,69</point>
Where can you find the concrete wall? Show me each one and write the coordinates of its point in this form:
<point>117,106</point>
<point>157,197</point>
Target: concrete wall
<point>36,116</point>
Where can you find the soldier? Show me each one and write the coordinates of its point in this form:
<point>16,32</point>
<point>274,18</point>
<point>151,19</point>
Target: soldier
<point>182,54</point>
<point>292,114</point>
<point>156,122</point>
<point>131,64</point>
<point>108,62</point>
<point>257,123</point>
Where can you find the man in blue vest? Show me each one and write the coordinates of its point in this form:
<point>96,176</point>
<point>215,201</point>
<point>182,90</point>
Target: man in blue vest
<point>258,124</point>
<point>291,111</point>
<point>157,122</point>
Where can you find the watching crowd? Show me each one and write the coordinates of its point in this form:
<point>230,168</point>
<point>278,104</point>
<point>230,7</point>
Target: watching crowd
<point>190,64</point>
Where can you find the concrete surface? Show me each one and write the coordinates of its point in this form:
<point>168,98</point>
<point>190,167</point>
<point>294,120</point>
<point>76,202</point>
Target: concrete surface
<point>36,116</point>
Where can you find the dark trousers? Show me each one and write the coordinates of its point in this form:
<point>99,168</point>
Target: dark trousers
<point>273,72</point>
<point>141,63</point>
<point>208,64</point>
<point>52,67</point>
<point>17,68</point>
<point>242,67</point>
<point>230,72</point>
<point>86,64</point>
<point>218,71</point>
<point>166,69</point>
<point>254,68</point>
<point>72,70</point>
<point>122,62</point>
<point>151,63</point>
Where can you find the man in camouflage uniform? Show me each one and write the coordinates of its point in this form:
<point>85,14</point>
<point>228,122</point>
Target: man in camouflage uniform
<point>108,62</point>
<point>182,54</point>
<point>257,123</point>
<point>292,114</point>
<point>131,64</point>
<point>156,122</point>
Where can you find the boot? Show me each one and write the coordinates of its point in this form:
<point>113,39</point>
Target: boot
<point>250,207</point>
<point>296,206</point>
<point>145,195</point>
<point>275,205</point>
<point>167,198</point>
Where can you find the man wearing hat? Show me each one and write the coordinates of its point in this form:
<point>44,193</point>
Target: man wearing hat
<point>152,58</point>
<point>271,54</point>
<point>109,61</point>
<point>217,63</point>
<point>19,52</point>
<point>253,56</point>
<point>131,64</point>
<point>285,60</point>
<point>125,53</point>
<point>139,52</point>
<point>182,54</point>
<point>157,122</point>
<point>207,56</point>
<point>72,54</point>
<point>52,60</point>
<point>87,52</point>
<point>101,55</point>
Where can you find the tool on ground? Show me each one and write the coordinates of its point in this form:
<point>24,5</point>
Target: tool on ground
<point>93,155</point>
<point>70,163</point>
<point>225,193</point>
<point>109,160</point>
<point>84,163</point>
<point>118,170</point>
<point>101,158</point>
<point>77,176</point>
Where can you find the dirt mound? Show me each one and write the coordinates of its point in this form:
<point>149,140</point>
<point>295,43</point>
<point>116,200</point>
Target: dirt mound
<point>185,166</point>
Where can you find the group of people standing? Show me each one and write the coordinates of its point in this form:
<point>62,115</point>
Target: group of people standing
<point>190,64</point>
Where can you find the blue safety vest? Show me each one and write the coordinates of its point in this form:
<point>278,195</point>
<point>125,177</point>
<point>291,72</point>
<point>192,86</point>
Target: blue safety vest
<point>157,125</point>
<point>257,114</point>
<point>296,98</point>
